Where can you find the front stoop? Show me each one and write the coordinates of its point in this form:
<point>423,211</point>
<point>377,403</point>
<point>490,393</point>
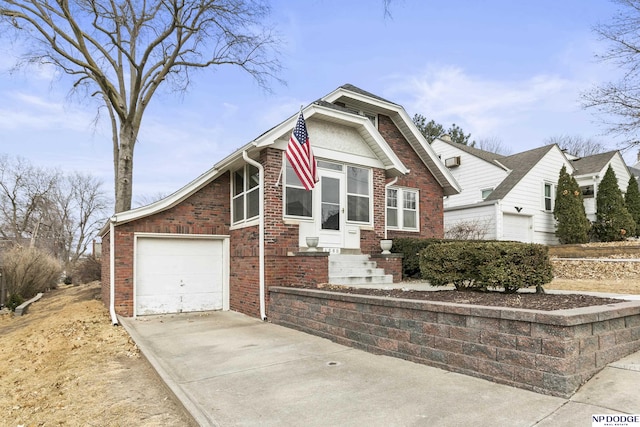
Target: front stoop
<point>354,270</point>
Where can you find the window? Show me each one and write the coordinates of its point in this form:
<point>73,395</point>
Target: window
<point>298,201</point>
<point>358,194</point>
<point>246,195</point>
<point>548,196</point>
<point>587,192</point>
<point>402,209</point>
<point>373,118</point>
<point>486,192</point>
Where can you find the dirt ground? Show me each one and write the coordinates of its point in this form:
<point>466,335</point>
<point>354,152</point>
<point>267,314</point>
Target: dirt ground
<point>64,364</point>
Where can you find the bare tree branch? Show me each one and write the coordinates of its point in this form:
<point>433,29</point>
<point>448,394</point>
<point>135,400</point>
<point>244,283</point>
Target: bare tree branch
<point>123,51</point>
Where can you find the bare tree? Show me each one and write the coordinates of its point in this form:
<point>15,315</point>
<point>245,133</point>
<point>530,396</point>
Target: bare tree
<point>122,51</point>
<point>493,144</point>
<point>24,194</point>
<point>80,210</point>
<point>46,209</point>
<point>619,101</point>
<point>147,199</point>
<point>577,145</point>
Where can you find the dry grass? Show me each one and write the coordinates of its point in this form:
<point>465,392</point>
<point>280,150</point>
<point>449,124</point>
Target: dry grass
<point>616,286</point>
<point>65,364</point>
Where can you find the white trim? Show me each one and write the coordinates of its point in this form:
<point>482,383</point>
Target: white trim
<point>112,272</point>
<point>401,209</point>
<point>367,130</point>
<point>245,156</point>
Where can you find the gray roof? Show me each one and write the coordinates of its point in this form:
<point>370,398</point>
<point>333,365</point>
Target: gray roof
<point>487,156</point>
<point>520,165</point>
<point>355,89</point>
<point>592,164</point>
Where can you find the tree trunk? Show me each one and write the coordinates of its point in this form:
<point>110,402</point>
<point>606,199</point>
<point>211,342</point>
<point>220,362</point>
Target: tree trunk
<point>124,168</point>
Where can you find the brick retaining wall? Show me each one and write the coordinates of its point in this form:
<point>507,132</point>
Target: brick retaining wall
<point>547,352</point>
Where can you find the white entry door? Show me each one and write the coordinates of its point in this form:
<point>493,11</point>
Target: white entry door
<point>331,206</point>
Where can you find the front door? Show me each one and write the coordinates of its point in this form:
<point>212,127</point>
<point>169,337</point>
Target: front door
<point>331,224</point>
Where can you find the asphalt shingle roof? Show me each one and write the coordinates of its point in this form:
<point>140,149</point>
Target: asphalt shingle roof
<point>592,164</point>
<point>520,165</point>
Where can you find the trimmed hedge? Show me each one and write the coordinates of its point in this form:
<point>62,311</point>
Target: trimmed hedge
<point>410,248</point>
<point>482,265</point>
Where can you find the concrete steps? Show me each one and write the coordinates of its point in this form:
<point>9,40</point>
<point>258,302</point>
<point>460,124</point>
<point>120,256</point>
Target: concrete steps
<point>354,270</point>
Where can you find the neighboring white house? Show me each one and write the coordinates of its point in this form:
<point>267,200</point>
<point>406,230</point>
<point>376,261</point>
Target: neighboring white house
<point>512,197</point>
<point>590,170</point>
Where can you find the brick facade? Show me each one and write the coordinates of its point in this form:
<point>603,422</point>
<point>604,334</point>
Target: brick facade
<point>208,212</point>
<point>546,352</point>
<point>431,193</point>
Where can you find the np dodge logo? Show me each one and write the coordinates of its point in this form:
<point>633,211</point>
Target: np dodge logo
<point>615,420</point>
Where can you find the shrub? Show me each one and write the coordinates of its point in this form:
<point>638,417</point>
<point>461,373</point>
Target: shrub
<point>613,220</point>
<point>480,265</point>
<point>452,262</point>
<point>28,271</point>
<point>513,265</point>
<point>14,301</point>
<point>88,270</point>
<point>409,248</point>
<point>573,225</point>
<point>468,230</point>
<point>632,200</point>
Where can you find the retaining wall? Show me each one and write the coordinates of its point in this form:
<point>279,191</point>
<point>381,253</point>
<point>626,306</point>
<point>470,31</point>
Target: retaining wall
<point>551,352</point>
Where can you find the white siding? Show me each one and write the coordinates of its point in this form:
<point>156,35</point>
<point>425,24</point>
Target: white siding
<point>622,175</point>
<point>483,217</point>
<point>528,195</point>
<point>473,174</point>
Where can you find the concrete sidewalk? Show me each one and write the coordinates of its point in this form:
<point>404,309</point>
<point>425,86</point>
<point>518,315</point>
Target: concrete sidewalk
<point>228,369</point>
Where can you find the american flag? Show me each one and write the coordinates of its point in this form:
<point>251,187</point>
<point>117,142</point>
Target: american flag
<point>300,155</point>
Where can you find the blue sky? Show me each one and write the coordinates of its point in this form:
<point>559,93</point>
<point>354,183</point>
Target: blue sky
<point>503,69</point>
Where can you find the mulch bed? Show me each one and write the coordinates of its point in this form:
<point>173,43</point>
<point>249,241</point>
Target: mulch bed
<point>526,300</point>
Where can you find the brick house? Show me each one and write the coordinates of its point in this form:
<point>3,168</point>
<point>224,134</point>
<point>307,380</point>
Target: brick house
<point>242,226</point>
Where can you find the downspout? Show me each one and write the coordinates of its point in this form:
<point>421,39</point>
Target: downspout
<point>252,162</point>
<point>112,271</point>
<point>386,187</point>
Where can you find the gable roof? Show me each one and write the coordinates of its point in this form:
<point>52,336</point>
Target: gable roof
<point>487,156</point>
<point>327,110</point>
<point>592,164</point>
<point>359,98</point>
<point>520,164</point>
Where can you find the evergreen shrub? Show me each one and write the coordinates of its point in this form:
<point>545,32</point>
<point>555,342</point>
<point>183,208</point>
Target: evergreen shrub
<point>482,265</point>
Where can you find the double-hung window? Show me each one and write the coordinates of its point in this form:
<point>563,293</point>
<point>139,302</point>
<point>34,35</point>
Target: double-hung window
<point>298,201</point>
<point>246,194</point>
<point>358,194</point>
<point>548,196</point>
<point>402,209</point>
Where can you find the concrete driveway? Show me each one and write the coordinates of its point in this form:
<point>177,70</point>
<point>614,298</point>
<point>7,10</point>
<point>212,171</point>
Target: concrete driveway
<point>228,369</point>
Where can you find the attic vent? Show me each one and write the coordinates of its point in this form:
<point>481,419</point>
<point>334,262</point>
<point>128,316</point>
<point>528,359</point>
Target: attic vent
<point>452,162</point>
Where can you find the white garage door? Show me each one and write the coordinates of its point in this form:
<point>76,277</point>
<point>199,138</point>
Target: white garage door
<point>516,227</point>
<point>175,275</point>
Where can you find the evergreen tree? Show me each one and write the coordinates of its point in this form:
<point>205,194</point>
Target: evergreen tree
<point>573,225</point>
<point>432,130</point>
<point>632,200</point>
<point>613,220</point>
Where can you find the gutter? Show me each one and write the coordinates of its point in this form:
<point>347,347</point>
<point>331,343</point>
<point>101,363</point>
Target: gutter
<point>252,162</point>
<point>386,187</point>
<point>112,271</point>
